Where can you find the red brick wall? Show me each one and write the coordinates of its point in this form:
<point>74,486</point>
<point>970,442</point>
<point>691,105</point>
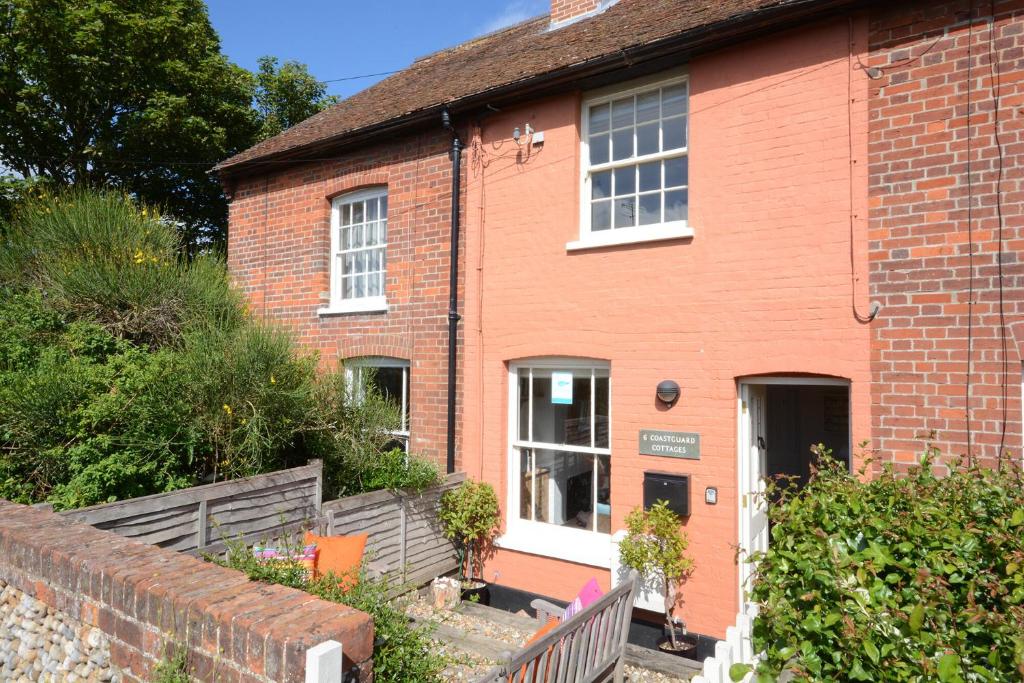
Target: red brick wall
<point>921,270</point>
<point>149,600</point>
<point>562,10</point>
<point>278,246</point>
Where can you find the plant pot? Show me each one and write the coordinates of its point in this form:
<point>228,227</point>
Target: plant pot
<point>686,645</point>
<point>476,591</point>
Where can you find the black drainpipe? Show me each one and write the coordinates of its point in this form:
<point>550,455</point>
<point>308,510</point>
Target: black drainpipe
<point>453,283</point>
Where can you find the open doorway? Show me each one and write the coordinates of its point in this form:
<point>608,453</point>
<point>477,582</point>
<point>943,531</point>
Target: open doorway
<point>780,418</point>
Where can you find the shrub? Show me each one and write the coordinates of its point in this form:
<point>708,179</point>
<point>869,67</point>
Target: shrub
<point>654,545</point>
<point>401,652</point>
<point>914,577</point>
<point>97,256</point>
<point>470,516</point>
<point>125,371</point>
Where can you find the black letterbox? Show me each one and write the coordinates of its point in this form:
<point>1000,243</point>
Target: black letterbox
<point>674,488</point>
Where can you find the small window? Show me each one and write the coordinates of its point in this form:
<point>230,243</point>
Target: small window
<point>359,228</point>
<point>635,165</point>
<point>390,377</point>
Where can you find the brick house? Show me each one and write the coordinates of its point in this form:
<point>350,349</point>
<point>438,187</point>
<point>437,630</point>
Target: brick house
<point>764,204</point>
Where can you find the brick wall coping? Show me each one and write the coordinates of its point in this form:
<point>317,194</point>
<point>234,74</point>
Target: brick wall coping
<point>150,600</point>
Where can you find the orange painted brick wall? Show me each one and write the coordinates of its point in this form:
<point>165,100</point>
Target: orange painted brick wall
<point>764,287</point>
<point>278,253</point>
<point>922,269</point>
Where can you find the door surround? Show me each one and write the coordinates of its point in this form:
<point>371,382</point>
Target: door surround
<point>749,482</point>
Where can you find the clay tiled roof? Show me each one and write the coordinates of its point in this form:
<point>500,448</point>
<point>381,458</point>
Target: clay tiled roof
<point>511,57</point>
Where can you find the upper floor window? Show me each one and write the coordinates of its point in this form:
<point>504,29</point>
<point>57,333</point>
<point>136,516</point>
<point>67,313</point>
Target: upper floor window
<point>635,165</point>
<point>359,228</point>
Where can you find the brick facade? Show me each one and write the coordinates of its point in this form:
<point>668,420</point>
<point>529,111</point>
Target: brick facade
<point>563,10</point>
<point>278,253</point>
<point>147,601</point>
<point>922,268</point>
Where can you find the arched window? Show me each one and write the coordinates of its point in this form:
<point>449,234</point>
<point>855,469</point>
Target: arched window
<point>359,229</point>
<point>560,455</point>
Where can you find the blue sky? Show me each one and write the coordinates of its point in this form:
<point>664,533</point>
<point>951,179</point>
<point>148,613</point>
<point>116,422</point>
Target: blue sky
<point>342,38</point>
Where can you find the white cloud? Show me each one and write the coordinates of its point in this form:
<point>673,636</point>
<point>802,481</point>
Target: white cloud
<point>514,12</point>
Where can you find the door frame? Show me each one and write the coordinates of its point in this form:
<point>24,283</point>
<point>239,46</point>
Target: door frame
<point>744,431</point>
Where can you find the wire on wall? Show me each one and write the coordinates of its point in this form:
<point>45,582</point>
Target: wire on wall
<point>863,319</point>
<point>995,76</point>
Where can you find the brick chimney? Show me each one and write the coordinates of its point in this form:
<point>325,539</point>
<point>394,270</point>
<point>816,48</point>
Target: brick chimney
<point>566,11</point>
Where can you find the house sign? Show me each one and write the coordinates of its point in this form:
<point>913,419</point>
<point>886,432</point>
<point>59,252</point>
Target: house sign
<point>670,444</point>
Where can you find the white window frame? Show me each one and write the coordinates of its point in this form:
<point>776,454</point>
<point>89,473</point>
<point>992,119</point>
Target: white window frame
<point>365,304</point>
<point>641,233</point>
<point>353,375</point>
<point>582,546</point>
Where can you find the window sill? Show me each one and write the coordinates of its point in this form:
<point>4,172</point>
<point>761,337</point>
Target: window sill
<point>574,545</point>
<point>625,236</point>
<point>372,304</point>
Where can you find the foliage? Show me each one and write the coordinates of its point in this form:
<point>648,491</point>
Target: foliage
<point>655,546</point>
<point>133,95</point>
<point>470,516</point>
<point>400,653</point>
<point>907,577</point>
<point>136,95</point>
<point>286,95</point>
<point>126,371</point>
<point>173,669</point>
<point>98,257</point>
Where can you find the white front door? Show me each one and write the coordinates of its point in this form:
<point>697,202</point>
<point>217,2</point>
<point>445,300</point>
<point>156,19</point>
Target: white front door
<point>752,454</point>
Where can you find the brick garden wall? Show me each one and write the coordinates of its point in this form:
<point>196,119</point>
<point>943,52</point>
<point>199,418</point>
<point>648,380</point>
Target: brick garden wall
<point>279,242</point>
<point>920,240</point>
<point>126,606</point>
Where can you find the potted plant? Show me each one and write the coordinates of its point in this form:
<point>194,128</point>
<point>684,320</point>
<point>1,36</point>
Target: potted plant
<point>470,516</point>
<point>655,547</point>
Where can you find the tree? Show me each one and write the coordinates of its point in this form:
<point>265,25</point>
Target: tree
<point>655,546</point>
<point>286,95</point>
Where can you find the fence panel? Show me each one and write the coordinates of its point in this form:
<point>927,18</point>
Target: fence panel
<point>405,537</point>
<point>199,519</point>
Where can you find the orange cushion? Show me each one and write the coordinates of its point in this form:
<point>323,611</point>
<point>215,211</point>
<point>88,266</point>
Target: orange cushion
<point>550,626</point>
<point>340,555</point>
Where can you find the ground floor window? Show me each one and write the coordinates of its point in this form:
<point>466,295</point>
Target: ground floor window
<point>390,377</point>
<point>560,444</point>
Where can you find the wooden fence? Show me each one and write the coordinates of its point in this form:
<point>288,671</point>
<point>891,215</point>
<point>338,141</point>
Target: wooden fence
<point>405,537</point>
<point>200,519</point>
<point>735,649</point>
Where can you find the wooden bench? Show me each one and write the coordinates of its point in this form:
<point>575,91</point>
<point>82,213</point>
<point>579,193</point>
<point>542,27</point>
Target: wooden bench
<point>588,647</point>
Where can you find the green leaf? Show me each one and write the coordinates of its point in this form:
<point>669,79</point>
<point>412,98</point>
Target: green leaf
<point>1017,518</point>
<point>916,618</point>
<point>949,668</point>
<point>738,671</point>
<point>871,651</point>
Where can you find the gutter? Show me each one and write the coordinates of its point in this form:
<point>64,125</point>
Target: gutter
<point>683,45</point>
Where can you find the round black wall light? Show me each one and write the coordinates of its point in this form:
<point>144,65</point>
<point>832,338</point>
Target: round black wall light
<point>668,392</point>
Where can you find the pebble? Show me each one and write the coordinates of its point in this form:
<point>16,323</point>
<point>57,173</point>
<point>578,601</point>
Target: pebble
<point>38,643</point>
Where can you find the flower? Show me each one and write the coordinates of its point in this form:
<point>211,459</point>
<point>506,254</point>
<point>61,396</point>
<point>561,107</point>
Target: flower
<point>272,380</point>
<point>227,409</point>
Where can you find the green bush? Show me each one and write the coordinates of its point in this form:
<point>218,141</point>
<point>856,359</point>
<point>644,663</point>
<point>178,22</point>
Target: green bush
<point>125,371</point>
<point>470,516</point>
<point>401,652</point>
<point>911,577</point>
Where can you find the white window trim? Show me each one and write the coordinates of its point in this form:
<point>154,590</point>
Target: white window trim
<point>591,548</point>
<point>671,230</point>
<point>338,305</point>
<point>353,364</point>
